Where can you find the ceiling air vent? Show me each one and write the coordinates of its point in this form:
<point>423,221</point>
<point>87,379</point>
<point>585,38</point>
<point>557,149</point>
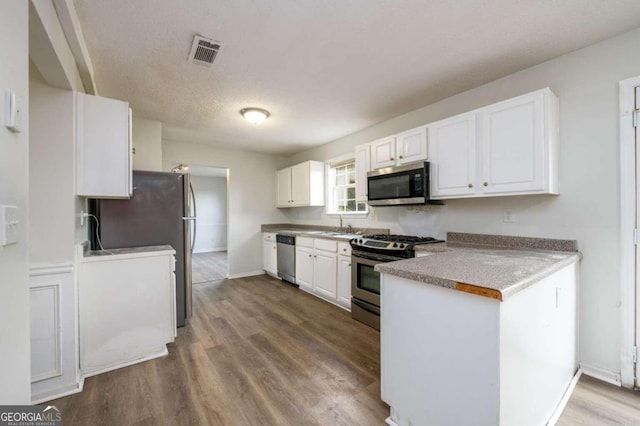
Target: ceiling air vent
<point>204,51</point>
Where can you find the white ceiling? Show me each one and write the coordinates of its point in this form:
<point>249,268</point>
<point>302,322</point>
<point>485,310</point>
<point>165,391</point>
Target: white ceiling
<point>324,69</point>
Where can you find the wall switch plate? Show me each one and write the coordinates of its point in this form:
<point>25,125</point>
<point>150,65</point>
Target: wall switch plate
<point>508,216</point>
<point>8,225</point>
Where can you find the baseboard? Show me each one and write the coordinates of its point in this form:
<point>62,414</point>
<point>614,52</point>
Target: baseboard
<point>58,393</point>
<point>565,399</point>
<point>600,374</point>
<point>160,354</point>
<point>245,274</point>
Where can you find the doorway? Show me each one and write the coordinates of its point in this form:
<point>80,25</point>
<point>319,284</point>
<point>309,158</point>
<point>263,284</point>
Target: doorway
<point>209,261</point>
<point>629,227</point>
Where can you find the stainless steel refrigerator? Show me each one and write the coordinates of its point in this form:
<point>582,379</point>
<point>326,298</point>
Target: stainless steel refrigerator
<point>161,211</point>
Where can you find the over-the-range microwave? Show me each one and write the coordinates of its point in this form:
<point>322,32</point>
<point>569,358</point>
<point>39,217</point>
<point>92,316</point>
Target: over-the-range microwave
<point>399,186</point>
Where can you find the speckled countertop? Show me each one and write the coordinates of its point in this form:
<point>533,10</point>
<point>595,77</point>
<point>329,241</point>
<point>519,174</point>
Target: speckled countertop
<point>129,251</point>
<point>485,269</point>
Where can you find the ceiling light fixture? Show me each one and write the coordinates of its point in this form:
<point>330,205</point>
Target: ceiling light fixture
<point>254,115</point>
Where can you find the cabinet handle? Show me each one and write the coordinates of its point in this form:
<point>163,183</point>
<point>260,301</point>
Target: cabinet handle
<point>309,255</point>
<point>470,185</point>
<point>391,158</point>
<point>400,157</point>
<point>485,184</point>
<point>349,264</point>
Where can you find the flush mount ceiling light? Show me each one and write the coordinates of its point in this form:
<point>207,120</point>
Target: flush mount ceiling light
<point>254,115</point>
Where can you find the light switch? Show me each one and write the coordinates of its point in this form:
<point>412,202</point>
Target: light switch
<point>8,225</point>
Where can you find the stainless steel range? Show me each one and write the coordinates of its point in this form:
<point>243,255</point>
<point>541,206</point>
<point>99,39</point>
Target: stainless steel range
<point>367,251</point>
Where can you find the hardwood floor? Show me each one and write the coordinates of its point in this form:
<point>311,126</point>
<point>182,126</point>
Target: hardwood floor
<point>257,352</point>
<point>261,352</point>
<point>210,266</point>
<point>594,402</point>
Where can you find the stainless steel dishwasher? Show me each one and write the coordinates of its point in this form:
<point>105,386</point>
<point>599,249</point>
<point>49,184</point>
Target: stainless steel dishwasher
<point>286,257</point>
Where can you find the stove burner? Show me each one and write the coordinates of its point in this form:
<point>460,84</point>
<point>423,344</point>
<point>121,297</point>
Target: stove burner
<point>392,245</point>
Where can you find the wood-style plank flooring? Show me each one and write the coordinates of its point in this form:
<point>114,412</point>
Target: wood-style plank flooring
<point>209,266</point>
<point>257,352</point>
<point>594,402</point>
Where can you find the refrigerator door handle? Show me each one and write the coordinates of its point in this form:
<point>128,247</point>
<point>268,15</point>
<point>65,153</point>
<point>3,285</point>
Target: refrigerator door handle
<point>189,218</point>
<point>193,214</point>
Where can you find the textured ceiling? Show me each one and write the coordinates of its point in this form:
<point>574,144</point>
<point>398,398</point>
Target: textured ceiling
<point>324,69</point>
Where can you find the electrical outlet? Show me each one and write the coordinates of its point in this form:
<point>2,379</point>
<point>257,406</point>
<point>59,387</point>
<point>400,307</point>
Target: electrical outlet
<point>8,225</point>
<point>508,216</point>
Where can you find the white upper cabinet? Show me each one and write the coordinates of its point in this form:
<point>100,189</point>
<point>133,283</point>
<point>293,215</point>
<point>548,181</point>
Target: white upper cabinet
<point>363,165</point>
<point>508,148</point>
<point>301,185</point>
<point>103,147</point>
<point>453,142</point>
<point>383,153</point>
<point>516,139</point>
<point>403,148</point>
<point>412,145</point>
<point>284,188</point>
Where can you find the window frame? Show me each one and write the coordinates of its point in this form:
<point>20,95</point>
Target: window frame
<point>330,209</point>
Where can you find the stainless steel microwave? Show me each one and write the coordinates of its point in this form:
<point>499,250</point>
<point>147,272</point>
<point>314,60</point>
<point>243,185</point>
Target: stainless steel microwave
<point>398,186</point>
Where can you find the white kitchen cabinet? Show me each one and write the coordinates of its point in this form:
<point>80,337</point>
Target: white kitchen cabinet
<point>324,274</point>
<point>412,145</point>
<point>383,153</point>
<point>103,147</point>
<point>403,148</point>
<point>304,268</point>
<point>301,185</point>
<point>363,166</point>
<point>518,145</point>
<point>127,309</point>
<point>453,154</point>
<point>270,253</point>
<point>344,281</point>
<point>508,148</point>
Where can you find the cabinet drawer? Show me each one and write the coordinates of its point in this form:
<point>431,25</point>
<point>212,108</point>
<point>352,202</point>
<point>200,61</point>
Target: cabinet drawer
<point>304,242</point>
<point>326,245</point>
<point>269,236</point>
<point>344,249</point>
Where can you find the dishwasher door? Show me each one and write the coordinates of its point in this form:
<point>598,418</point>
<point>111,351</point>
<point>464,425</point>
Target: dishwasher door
<point>287,257</point>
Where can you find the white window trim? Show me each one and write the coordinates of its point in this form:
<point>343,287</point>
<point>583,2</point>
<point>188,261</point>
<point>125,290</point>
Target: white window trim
<point>328,189</point>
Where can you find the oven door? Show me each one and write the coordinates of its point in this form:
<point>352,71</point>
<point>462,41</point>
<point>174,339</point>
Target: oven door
<point>365,281</point>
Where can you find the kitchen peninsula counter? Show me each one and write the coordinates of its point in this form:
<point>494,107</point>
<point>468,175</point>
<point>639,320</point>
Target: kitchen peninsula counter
<point>487,323</point>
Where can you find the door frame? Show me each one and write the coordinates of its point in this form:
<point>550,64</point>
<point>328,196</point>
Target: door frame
<point>628,282</point>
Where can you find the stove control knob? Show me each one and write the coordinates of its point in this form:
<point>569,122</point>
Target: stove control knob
<point>360,241</point>
<point>401,245</point>
<point>395,245</point>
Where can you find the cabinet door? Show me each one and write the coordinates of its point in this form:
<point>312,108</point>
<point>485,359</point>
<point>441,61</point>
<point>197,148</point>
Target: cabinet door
<point>363,165</point>
<point>300,174</point>
<point>304,268</point>
<point>284,188</point>
<point>513,148</point>
<point>412,145</point>
<point>452,152</point>
<point>269,257</point>
<point>383,153</point>
<point>324,274</point>
<point>344,281</point>
<point>103,147</point>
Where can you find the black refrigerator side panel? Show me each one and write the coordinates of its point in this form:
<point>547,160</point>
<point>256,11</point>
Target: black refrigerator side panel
<point>152,216</point>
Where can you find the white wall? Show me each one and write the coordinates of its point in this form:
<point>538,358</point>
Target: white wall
<point>587,209</point>
<point>211,202</point>
<point>52,216</point>
<point>147,142</point>
<point>15,372</point>
<point>252,196</point>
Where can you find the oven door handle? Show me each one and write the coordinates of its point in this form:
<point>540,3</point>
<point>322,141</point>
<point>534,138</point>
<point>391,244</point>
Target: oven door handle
<point>370,256</point>
<point>366,306</point>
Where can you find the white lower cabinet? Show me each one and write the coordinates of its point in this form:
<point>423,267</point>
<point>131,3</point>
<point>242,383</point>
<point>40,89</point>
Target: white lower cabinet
<point>321,271</point>
<point>304,268</point>
<point>270,253</point>
<point>127,309</point>
<point>344,281</point>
